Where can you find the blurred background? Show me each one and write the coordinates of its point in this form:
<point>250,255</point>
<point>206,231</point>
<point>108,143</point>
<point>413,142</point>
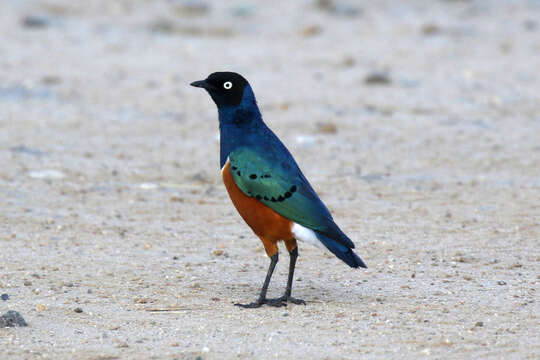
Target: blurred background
<point>81,76</point>
<point>418,122</point>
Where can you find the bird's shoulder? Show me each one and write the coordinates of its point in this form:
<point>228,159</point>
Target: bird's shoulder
<point>276,181</point>
<point>270,162</point>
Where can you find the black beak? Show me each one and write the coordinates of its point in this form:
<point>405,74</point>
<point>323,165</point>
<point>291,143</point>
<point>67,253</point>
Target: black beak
<point>204,84</point>
<point>201,83</point>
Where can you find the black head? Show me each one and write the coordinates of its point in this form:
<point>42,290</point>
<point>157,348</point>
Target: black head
<point>225,88</point>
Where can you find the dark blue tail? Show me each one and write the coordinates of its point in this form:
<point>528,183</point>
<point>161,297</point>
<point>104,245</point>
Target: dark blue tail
<point>341,251</point>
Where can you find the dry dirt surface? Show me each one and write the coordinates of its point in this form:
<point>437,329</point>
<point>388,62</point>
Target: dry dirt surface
<point>417,122</point>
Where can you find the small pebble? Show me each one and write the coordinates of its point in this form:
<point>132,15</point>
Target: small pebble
<point>311,30</point>
<point>51,80</point>
<point>243,10</point>
<point>369,178</point>
<point>348,61</point>
<point>12,319</point>
<point>23,149</point>
<point>162,26</point>
<point>346,10</point>
<point>148,186</point>
<point>327,128</point>
<point>306,140</point>
<point>191,8</point>
<point>35,22</point>
<point>284,106</point>
<point>47,174</point>
<point>465,259</point>
<point>4,297</point>
<point>530,25</point>
<point>377,78</point>
<point>78,310</point>
<point>339,8</point>
<point>479,324</point>
<point>430,29</point>
<point>500,282</point>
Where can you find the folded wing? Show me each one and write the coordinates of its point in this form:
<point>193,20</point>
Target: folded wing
<point>284,189</point>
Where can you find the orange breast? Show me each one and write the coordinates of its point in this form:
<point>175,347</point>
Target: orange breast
<point>265,222</point>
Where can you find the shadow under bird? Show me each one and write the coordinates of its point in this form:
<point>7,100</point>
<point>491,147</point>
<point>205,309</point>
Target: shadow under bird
<point>266,185</point>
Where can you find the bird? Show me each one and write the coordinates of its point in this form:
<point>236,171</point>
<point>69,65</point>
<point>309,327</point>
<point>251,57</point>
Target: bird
<point>266,185</point>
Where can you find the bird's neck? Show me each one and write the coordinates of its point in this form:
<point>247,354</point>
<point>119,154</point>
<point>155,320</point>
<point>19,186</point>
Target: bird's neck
<point>239,125</point>
<point>243,114</point>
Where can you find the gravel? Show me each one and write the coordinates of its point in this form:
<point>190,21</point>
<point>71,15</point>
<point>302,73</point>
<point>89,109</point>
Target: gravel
<point>110,179</point>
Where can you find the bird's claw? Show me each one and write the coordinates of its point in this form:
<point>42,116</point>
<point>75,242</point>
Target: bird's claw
<point>278,302</point>
<point>252,305</point>
<point>285,299</point>
<point>296,301</point>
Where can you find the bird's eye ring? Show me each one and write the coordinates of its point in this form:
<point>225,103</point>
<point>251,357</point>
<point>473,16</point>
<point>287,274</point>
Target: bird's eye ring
<point>227,85</point>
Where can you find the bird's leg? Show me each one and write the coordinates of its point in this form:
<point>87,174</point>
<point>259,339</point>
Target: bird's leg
<point>262,296</point>
<point>287,296</point>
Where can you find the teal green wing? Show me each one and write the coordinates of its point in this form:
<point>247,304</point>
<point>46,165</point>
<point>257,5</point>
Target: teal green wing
<point>280,185</point>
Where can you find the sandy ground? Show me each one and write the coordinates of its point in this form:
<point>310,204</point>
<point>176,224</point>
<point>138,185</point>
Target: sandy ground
<point>112,200</point>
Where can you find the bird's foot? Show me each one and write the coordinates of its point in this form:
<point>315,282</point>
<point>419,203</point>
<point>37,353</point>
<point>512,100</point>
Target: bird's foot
<point>296,301</point>
<point>285,299</point>
<point>278,302</point>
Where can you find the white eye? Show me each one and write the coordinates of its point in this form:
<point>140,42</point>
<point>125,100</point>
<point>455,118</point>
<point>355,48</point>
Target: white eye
<point>227,85</point>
